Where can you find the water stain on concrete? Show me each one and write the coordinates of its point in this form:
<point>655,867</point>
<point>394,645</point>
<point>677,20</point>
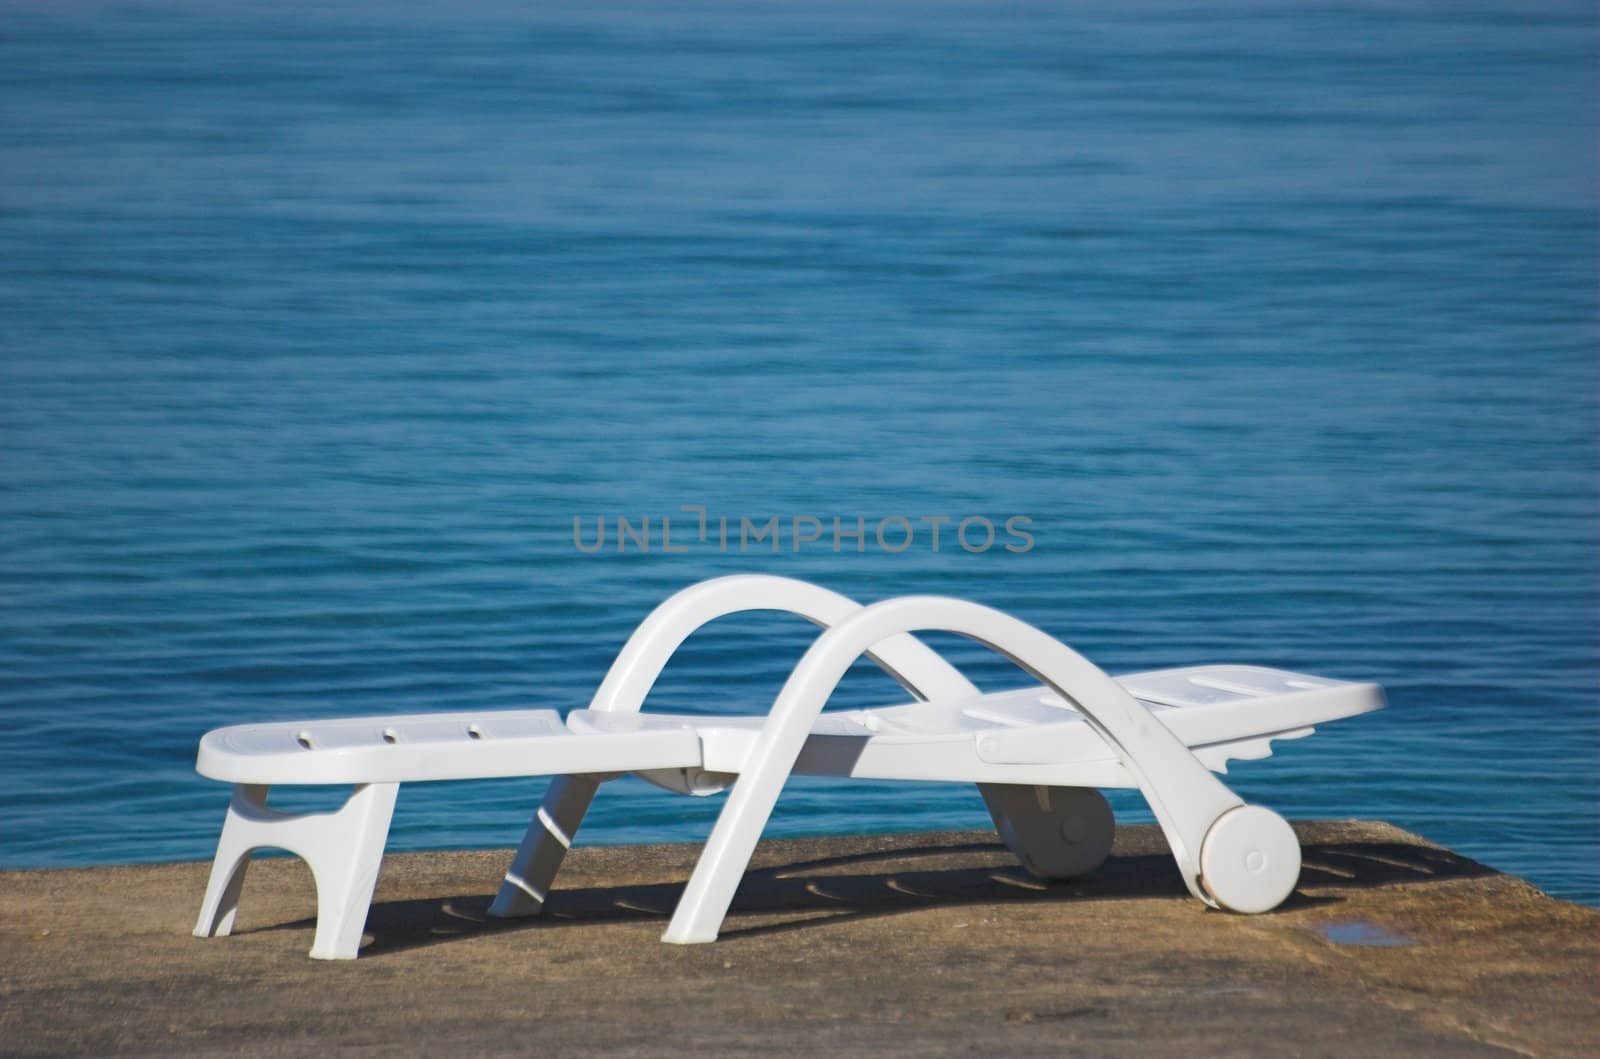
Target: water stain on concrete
<point>1358,932</point>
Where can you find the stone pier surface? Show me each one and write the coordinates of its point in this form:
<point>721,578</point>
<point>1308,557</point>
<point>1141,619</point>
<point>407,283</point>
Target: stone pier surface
<point>927,944</point>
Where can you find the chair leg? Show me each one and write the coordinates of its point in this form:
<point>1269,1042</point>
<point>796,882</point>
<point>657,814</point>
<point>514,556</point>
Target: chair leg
<point>1056,832</point>
<point>345,863</point>
<point>344,850</point>
<point>544,846</point>
<point>728,850</point>
<point>221,902</point>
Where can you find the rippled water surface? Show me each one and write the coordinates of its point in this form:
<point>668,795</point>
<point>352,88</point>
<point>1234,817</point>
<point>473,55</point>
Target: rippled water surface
<point>318,327</point>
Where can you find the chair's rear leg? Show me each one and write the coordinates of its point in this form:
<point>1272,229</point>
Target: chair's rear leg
<point>238,841</point>
<point>544,846</point>
<point>728,850</point>
<point>1056,832</point>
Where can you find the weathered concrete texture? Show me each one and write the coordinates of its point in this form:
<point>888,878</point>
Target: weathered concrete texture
<point>934,944</point>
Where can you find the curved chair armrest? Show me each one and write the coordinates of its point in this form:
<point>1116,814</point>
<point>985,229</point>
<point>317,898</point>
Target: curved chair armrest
<point>1186,798</point>
<point>916,666</point>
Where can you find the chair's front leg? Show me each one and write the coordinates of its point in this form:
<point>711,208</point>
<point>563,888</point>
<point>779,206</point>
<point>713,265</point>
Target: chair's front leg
<point>240,835</point>
<point>344,850</point>
<point>345,859</point>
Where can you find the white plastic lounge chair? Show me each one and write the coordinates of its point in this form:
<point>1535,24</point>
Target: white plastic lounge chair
<point>1037,756</point>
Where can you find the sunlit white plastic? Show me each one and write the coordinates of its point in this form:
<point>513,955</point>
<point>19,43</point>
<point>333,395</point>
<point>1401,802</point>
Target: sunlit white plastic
<point>1037,754</point>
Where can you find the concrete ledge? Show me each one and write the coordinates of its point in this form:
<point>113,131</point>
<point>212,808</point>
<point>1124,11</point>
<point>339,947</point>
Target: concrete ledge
<point>934,944</point>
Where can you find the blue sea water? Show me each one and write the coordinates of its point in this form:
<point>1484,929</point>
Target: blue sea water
<point>320,325</point>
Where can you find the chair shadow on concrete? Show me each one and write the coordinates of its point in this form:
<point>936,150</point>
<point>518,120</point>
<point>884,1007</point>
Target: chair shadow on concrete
<point>808,894</point>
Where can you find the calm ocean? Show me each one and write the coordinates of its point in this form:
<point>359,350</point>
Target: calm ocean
<point>319,325</point>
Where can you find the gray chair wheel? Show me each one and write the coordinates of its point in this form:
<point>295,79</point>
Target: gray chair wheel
<point>1056,832</point>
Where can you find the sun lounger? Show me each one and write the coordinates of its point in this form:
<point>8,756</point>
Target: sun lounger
<point>1037,754</point>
